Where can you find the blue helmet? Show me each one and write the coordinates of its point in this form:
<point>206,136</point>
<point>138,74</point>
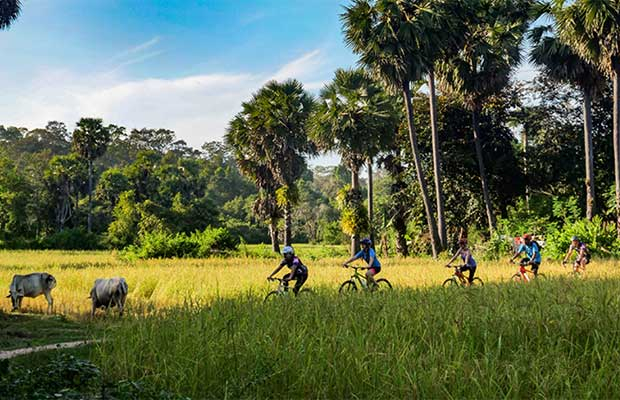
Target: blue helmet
<point>574,239</point>
<point>366,241</point>
<point>288,250</point>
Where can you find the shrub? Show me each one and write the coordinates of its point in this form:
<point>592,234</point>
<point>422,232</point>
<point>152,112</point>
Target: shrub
<point>199,244</point>
<point>71,239</point>
<point>599,237</point>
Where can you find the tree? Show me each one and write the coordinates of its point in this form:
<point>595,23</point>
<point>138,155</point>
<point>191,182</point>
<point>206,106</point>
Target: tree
<point>9,11</point>
<point>90,140</point>
<point>592,28</point>
<point>388,37</point>
<point>270,144</point>
<point>558,61</point>
<point>358,119</point>
<point>483,66</point>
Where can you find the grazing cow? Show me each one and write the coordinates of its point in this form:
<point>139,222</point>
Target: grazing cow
<point>32,285</point>
<point>109,293</point>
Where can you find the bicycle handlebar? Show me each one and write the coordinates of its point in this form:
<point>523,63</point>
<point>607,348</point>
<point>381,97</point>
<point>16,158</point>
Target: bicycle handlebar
<point>353,267</point>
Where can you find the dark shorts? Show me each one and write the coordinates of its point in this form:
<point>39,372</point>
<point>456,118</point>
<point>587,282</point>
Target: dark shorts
<point>300,278</point>
<point>471,269</point>
<point>375,269</point>
<point>533,265</point>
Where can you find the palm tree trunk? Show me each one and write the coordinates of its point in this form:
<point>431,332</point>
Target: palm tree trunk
<point>483,174</point>
<point>273,234</point>
<point>589,156</point>
<point>428,208</point>
<point>287,223</point>
<point>90,196</point>
<point>370,201</point>
<point>616,139</point>
<point>441,219</point>
<point>355,186</point>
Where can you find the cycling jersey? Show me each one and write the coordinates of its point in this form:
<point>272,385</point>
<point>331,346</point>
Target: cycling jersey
<point>367,255</point>
<point>464,255</point>
<point>532,251</point>
<point>296,265</point>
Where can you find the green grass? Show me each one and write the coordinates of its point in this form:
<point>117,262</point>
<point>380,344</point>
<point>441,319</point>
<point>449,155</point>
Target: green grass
<point>26,330</point>
<point>557,339</point>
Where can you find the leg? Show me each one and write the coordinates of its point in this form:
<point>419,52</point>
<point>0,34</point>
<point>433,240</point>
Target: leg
<point>472,272</point>
<point>299,282</point>
<point>535,267</point>
<point>50,301</point>
<point>92,312</point>
<point>285,283</point>
<point>370,277</point>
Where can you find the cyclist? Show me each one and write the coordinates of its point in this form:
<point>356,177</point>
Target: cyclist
<point>532,250</point>
<point>367,253</point>
<point>469,264</point>
<point>299,272</point>
<point>583,256</point>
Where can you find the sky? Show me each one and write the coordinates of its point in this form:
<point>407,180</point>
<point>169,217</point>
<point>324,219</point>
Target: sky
<point>184,65</point>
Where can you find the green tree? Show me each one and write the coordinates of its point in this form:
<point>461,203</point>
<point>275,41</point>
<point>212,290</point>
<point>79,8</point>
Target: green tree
<point>483,66</point>
<point>358,119</point>
<point>592,28</point>
<point>64,178</point>
<point>270,131</point>
<point>90,140</point>
<point>561,63</point>
<point>387,35</point>
<point>9,11</point>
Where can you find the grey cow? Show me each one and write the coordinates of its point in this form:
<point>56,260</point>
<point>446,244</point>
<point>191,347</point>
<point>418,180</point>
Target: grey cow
<point>109,293</point>
<point>32,285</point>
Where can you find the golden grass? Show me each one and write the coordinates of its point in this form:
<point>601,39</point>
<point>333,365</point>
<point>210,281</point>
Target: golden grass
<point>164,283</point>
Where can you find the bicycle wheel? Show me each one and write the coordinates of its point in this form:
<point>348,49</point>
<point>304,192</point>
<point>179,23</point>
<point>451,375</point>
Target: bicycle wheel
<point>477,282</point>
<point>347,287</point>
<point>305,292</point>
<point>271,295</point>
<point>541,276</point>
<point>516,278</point>
<point>383,284</point>
<point>450,282</point>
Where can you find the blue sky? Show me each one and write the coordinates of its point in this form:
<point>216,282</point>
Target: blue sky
<point>184,65</point>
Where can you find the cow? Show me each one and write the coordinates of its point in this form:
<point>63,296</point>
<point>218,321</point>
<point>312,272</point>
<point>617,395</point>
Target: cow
<point>32,285</point>
<point>109,293</point>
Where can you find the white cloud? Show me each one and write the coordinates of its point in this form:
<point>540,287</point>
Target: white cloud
<point>136,49</point>
<point>198,107</point>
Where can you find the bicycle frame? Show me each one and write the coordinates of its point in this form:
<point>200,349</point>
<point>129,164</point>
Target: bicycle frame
<point>459,275</point>
<point>357,276</point>
<point>523,272</point>
<point>282,289</point>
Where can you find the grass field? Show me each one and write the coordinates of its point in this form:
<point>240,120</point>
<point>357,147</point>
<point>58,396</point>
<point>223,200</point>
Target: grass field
<point>199,328</point>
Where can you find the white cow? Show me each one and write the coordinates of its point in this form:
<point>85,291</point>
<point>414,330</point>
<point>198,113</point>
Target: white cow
<point>32,285</point>
<point>109,293</point>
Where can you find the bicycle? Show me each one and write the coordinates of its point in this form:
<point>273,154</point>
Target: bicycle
<point>351,285</point>
<point>283,289</point>
<point>522,274</point>
<point>458,279</point>
<point>578,270</point>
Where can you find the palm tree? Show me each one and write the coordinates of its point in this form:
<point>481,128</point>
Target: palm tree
<point>9,11</point>
<point>592,28</point>
<point>388,35</point>
<point>482,67</point>
<point>90,141</point>
<point>558,61</point>
<point>270,133</point>
<point>357,118</point>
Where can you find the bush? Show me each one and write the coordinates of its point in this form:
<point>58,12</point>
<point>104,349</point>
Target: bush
<point>209,242</point>
<point>599,237</point>
<point>71,239</point>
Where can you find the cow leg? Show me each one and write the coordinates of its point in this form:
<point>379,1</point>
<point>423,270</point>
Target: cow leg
<point>50,301</point>
<point>121,305</point>
<point>19,302</point>
<point>94,308</point>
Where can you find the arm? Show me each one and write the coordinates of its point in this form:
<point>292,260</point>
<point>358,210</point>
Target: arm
<point>276,270</point>
<point>350,260</point>
<point>568,254</point>
<point>518,252</point>
<point>454,257</point>
<point>293,271</point>
<point>468,258</point>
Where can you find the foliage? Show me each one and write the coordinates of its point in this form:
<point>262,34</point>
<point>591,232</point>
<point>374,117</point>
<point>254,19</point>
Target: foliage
<point>353,213</point>
<point>599,237</point>
<point>71,239</point>
<point>200,244</point>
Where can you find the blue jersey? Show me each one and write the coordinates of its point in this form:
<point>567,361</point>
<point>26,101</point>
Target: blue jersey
<point>467,254</point>
<point>530,250</point>
<point>366,256</point>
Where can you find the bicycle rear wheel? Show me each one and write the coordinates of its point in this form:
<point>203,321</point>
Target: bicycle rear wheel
<point>516,278</point>
<point>450,282</point>
<point>347,287</point>
<point>540,276</point>
<point>477,282</point>
<point>305,292</point>
<point>383,284</point>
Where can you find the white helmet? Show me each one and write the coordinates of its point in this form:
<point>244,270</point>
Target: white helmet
<point>288,250</point>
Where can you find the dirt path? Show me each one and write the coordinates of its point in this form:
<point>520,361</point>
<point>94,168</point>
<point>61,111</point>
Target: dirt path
<point>7,354</point>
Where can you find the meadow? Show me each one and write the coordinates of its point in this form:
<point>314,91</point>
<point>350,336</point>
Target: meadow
<point>199,328</point>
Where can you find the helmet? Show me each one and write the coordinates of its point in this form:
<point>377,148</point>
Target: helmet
<point>366,242</point>
<point>527,236</point>
<point>288,250</point>
<point>462,241</point>
<point>574,239</point>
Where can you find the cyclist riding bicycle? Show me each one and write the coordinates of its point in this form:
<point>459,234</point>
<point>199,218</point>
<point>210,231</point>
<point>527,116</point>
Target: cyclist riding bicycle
<point>583,256</point>
<point>299,272</point>
<point>469,264</point>
<point>367,253</point>
<point>532,250</point>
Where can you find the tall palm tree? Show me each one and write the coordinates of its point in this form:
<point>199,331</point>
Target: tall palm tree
<point>558,61</point>
<point>9,11</point>
<point>592,28</point>
<point>270,132</point>
<point>357,118</point>
<point>483,66</point>
<point>388,36</point>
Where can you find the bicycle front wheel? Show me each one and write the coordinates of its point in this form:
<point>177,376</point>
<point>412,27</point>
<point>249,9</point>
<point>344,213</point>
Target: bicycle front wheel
<point>305,292</point>
<point>477,282</point>
<point>450,282</point>
<point>540,276</point>
<point>348,287</point>
<point>516,278</point>
<point>383,284</point>
<point>271,295</point>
